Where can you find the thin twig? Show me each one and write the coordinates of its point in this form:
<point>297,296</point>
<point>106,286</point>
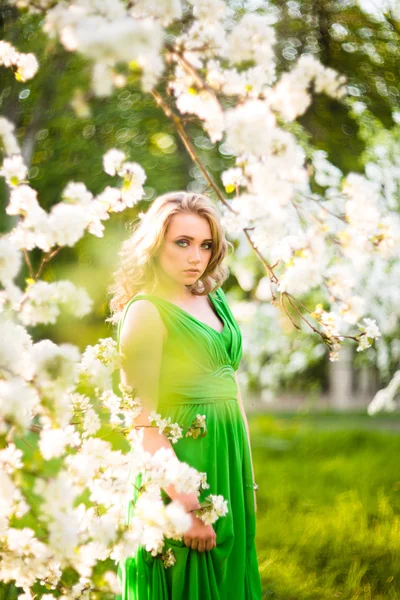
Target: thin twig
<point>282,296</point>
<point>340,217</point>
<point>323,335</point>
<point>46,259</point>
<point>193,72</point>
<point>29,264</point>
<point>189,146</point>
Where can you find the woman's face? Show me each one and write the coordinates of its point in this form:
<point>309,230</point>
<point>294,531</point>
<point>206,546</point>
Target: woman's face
<point>187,245</point>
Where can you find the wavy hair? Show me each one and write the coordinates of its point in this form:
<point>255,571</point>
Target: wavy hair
<point>138,269</point>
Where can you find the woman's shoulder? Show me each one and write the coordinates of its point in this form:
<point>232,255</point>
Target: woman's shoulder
<point>142,318</point>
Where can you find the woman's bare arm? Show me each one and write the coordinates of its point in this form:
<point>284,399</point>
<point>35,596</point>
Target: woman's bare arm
<point>141,345</point>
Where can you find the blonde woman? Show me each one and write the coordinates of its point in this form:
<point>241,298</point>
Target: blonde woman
<point>181,348</point>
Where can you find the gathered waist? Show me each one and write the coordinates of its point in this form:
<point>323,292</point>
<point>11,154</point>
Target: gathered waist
<point>210,388</point>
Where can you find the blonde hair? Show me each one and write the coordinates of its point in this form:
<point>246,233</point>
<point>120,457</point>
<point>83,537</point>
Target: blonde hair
<point>138,270</point>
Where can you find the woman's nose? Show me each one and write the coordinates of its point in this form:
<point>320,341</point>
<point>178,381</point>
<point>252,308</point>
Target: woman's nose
<point>195,257</point>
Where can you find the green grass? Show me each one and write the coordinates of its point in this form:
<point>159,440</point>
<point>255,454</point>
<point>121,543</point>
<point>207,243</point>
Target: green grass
<point>328,507</point>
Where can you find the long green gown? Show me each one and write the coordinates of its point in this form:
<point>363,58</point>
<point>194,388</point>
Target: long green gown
<point>197,377</point>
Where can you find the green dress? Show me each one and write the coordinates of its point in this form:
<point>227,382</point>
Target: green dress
<point>197,377</point>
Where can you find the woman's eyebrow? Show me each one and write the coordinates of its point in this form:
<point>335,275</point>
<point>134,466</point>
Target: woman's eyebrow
<point>189,237</point>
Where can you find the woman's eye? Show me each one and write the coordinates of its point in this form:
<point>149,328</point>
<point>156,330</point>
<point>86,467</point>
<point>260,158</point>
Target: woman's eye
<point>207,245</point>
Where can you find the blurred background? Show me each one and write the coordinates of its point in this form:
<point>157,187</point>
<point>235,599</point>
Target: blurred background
<point>329,497</point>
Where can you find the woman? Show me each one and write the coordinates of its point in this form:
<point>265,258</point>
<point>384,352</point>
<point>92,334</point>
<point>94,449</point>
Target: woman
<point>181,348</point>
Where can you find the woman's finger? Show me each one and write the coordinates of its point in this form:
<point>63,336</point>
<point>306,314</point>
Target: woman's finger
<point>201,546</point>
<point>194,544</point>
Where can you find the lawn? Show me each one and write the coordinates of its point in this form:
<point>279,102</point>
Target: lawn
<point>328,506</point>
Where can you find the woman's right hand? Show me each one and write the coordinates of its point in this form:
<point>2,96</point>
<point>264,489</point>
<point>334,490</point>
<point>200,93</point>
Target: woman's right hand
<point>200,536</point>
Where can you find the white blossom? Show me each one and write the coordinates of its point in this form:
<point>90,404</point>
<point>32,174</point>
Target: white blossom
<point>43,302</point>
<point>7,137</point>
<point>68,223</point>
<point>23,201</point>
<point>253,38</point>
<point>77,193</point>
<point>53,442</point>
<point>18,400</point>
<point>14,170</point>
<point>10,458</point>
<point>112,161</point>
<point>370,331</point>
<point>134,178</point>
<point>8,54</point>
<point>15,348</point>
<point>55,365</point>
<point>209,10</point>
<point>249,127</point>
<point>27,66</point>
<point>233,178</point>
<point>165,10</point>
<point>75,300</point>
<point>179,519</point>
<point>10,261</point>
<point>218,508</point>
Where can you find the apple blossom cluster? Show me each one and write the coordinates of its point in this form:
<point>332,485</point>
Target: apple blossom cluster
<point>41,391</point>
<point>199,78</point>
<point>42,302</point>
<point>78,211</point>
<point>313,241</point>
<point>272,354</point>
<point>92,28</point>
<point>163,468</point>
<point>98,363</point>
<point>132,174</point>
<point>215,507</point>
<point>380,291</point>
<point>330,324</point>
<point>369,332</point>
<point>174,432</point>
<point>25,65</point>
